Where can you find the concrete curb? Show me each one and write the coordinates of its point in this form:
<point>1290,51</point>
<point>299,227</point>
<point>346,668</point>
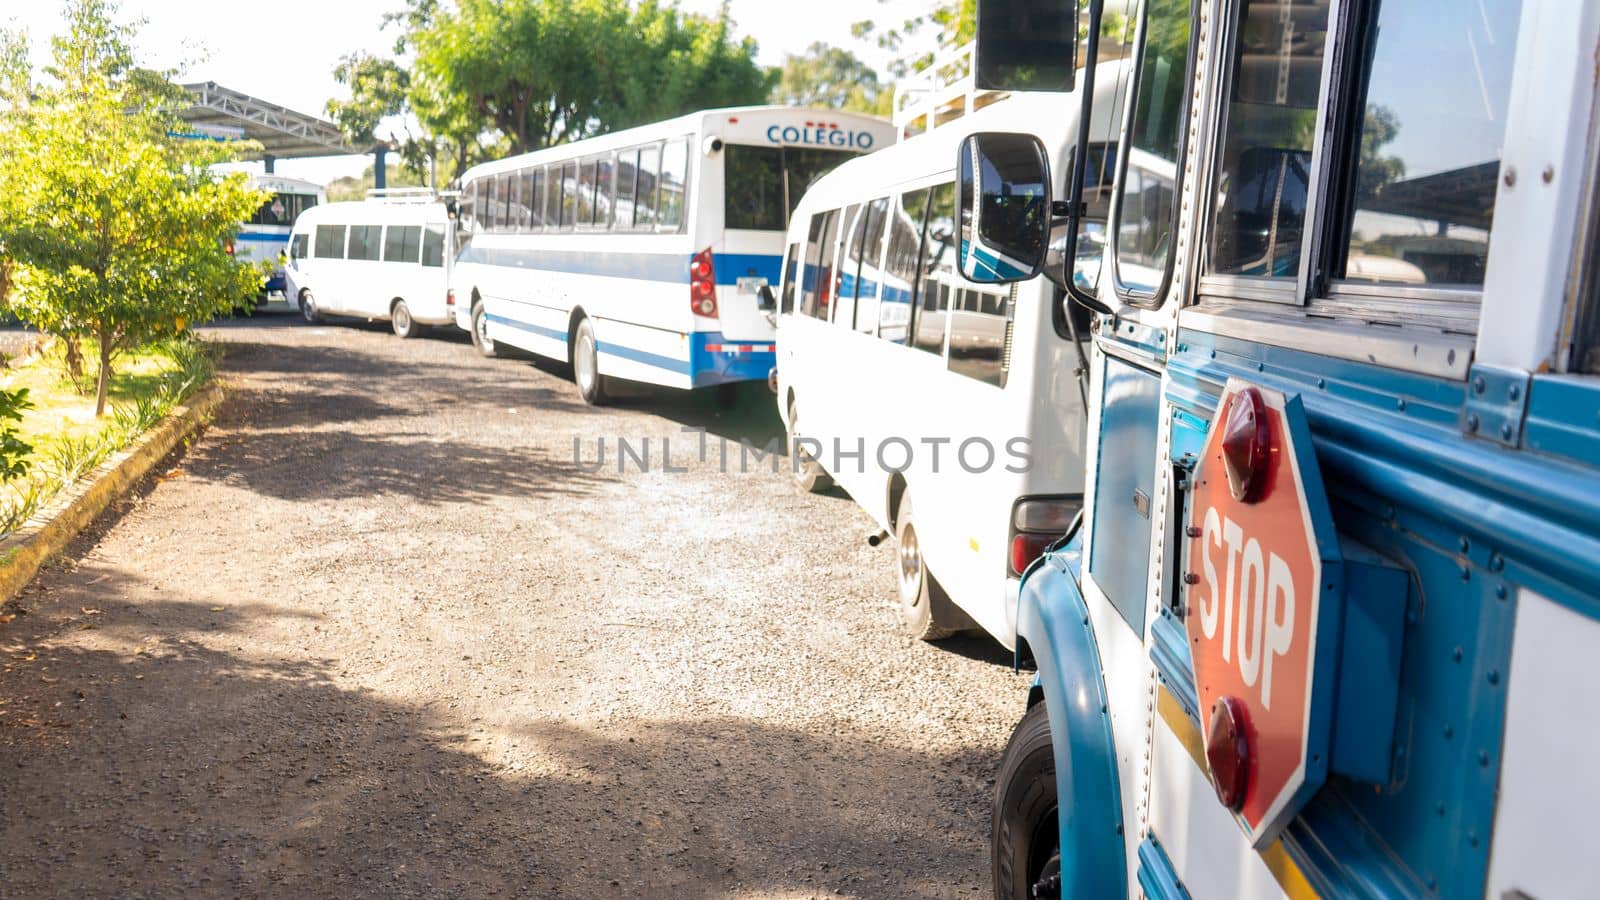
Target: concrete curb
<point>23,552</point>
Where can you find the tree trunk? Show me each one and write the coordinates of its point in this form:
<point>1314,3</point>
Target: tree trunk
<point>74,363</point>
<point>103,385</point>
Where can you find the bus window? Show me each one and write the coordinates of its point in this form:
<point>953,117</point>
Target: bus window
<point>603,200</point>
<point>627,179</point>
<point>978,334</point>
<point>938,269</point>
<point>1147,209</point>
<point>552,196</point>
<point>791,261</point>
<point>851,225</point>
<point>817,280</point>
<point>586,193</point>
<point>330,242</point>
<point>402,243</point>
<point>649,183</point>
<point>899,295</point>
<point>468,208</point>
<point>867,257</point>
<point>753,188</point>
<point>1424,189</point>
<point>568,194</point>
<point>1260,191</point>
<point>365,242</point>
<point>535,198</point>
<point>513,202</point>
<point>674,181</point>
<point>433,246</point>
<point>297,247</point>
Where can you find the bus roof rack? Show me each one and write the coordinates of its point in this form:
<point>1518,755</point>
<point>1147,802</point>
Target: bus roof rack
<point>941,93</point>
<point>403,195</point>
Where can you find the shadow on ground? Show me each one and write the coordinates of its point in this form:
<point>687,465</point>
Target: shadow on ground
<point>152,756</point>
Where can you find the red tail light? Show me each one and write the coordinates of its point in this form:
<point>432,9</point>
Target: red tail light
<point>703,284</point>
<point>1025,548</point>
<point>228,247</point>
<point>1036,524</point>
<point>450,297</point>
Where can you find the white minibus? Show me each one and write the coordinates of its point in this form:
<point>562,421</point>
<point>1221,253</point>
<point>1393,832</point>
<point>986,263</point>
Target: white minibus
<point>377,259</point>
<point>646,255</point>
<point>951,412</point>
<point>264,237</point>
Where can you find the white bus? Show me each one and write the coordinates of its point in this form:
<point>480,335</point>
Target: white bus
<point>951,412</point>
<point>380,260</point>
<point>265,236</point>
<point>644,255</point>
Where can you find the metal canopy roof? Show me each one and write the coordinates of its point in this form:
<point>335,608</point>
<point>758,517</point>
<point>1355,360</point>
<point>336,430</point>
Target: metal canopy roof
<point>219,112</point>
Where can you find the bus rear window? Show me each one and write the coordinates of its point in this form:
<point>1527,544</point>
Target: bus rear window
<point>764,184</point>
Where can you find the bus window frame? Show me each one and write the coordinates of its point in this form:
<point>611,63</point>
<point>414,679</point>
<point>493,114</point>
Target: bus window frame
<point>1124,145</point>
<point>1334,153</point>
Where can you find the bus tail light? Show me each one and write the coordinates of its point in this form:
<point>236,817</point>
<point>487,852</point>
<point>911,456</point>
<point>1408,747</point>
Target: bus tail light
<point>1035,525</point>
<point>228,247</point>
<point>450,298</point>
<point>703,284</point>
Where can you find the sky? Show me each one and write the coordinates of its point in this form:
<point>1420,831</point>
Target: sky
<point>288,56</point>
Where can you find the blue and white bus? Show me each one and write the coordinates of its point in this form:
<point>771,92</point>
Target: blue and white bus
<point>650,254</point>
<point>1327,624</point>
<point>265,235</point>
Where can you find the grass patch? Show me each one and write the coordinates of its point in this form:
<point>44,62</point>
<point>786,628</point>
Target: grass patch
<point>68,440</point>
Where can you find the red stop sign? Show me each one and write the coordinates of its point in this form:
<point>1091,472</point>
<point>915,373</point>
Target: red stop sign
<point>1261,608</point>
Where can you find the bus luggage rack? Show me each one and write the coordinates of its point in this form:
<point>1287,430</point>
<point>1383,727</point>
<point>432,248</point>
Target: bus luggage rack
<point>403,195</point>
<point>941,93</point>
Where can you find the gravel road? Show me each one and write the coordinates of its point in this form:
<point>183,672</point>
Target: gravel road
<point>376,635</point>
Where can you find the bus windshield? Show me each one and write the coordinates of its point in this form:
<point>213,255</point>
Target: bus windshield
<point>283,209</point>
<point>759,179</point>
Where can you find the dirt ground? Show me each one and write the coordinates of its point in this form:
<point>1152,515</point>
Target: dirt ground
<point>376,635</point>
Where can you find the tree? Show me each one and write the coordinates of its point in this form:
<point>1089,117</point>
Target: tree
<point>831,78</point>
<point>118,230</point>
<point>489,77</point>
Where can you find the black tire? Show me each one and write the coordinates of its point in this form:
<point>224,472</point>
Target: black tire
<point>308,309</point>
<point>400,320</point>
<point>586,364</point>
<point>485,345</point>
<point>1026,839</point>
<point>917,587</point>
<point>808,473</point>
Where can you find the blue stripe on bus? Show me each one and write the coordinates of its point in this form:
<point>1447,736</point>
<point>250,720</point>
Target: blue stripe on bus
<point>729,267</point>
<point>703,366</point>
<point>263,236</point>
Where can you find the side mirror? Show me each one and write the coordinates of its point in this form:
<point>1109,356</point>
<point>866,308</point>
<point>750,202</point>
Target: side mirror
<point>765,301</point>
<point>1005,207</point>
<point>1026,45</point>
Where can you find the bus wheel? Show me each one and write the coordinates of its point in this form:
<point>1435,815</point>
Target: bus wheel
<point>586,365</point>
<point>480,333</point>
<point>917,586</point>
<point>400,320</point>
<point>808,473</point>
<point>308,308</point>
<point>1027,835</point>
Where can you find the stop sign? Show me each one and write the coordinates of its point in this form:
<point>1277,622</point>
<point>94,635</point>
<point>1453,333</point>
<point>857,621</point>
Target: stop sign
<point>1263,608</point>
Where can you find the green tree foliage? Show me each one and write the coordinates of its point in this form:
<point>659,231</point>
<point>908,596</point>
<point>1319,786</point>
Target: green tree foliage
<point>13,449</point>
<point>507,76</point>
<point>118,230</point>
<point>831,78</point>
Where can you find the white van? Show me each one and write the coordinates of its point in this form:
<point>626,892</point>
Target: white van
<point>950,411</point>
<point>373,259</point>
